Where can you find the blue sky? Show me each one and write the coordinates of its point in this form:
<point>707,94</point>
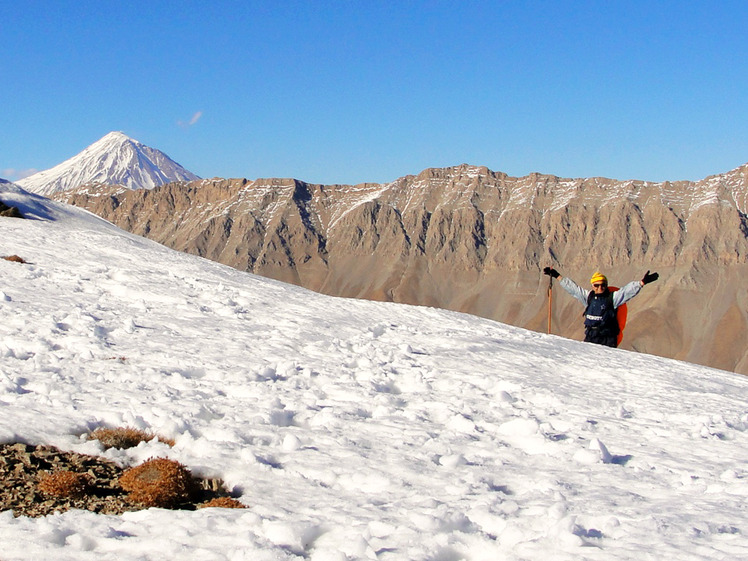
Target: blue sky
<point>348,92</point>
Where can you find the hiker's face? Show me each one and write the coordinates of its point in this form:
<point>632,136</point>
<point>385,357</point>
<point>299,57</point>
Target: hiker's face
<point>600,287</point>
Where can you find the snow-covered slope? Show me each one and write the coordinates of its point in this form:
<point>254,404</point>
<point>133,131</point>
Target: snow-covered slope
<point>351,429</point>
<point>115,159</point>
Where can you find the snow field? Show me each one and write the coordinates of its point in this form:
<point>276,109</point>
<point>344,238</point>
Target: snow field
<point>350,429</point>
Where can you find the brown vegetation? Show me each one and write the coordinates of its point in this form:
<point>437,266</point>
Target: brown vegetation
<point>15,259</point>
<point>222,502</point>
<point>125,437</point>
<point>64,484</point>
<point>159,482</point>
<point>40,480</point>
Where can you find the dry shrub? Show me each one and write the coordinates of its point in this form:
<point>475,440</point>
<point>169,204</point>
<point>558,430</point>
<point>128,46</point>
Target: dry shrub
<point>64,484</point>
<point>158,482</point>
<point>170,442</point>
<point>120,437</point>
<point>15,259</point>
<point>125,437</point>
<point>222,502</point>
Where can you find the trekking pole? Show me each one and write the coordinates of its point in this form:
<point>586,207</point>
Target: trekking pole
<point>550,301</point>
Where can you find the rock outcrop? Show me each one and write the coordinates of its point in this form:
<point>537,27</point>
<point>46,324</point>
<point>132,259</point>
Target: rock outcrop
<point>473,240</point>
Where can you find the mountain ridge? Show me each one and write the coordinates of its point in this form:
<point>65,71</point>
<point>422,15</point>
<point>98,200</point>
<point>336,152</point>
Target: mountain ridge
<point>470,239</point>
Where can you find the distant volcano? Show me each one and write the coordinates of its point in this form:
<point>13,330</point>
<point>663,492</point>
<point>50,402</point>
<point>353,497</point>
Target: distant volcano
<point>116,159</point>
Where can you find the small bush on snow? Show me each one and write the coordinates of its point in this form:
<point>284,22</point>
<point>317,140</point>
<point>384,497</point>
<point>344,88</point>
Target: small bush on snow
<point>64,484</point>
<point>222,502</point>
<point>125,437</point>
<point>158,482</point>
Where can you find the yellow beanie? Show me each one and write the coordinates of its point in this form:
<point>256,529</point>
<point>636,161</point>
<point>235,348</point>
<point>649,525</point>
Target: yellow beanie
<point>599,277</point>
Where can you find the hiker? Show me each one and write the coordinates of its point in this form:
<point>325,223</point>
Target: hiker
<point>600,314</point>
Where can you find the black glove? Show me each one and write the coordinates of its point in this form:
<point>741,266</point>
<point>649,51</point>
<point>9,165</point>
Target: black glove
<point>552,272</point>
<point>650,277</point>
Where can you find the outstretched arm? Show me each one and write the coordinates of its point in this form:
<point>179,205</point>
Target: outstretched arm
<point>568,285</point>
<point>626,293</point>
<point>630,290</point>
<point>575,290</point>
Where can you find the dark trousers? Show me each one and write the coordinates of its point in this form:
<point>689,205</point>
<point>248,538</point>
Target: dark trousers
<point>600,337</point>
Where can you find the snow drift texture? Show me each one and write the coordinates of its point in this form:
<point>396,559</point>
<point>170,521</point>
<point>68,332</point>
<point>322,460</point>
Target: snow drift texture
<point>351,429</point>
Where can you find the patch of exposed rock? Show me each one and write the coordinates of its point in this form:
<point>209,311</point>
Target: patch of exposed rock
<point>23,467</point>
<point>469,239</point>
<point>9,211</point>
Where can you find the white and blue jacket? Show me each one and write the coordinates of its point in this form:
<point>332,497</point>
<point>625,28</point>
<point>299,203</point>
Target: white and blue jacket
<point>620,296</point>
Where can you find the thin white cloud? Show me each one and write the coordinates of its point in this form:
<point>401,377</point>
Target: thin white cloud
<point>12,174</point>
<point>194,119</point>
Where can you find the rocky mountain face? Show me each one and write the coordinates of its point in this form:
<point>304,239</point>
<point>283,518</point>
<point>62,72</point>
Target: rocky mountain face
<point>115,159</point>
<point>469,239</point>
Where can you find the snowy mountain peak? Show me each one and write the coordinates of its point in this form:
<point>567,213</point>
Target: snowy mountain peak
<point>115,159</point>
<point>115,137</point>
